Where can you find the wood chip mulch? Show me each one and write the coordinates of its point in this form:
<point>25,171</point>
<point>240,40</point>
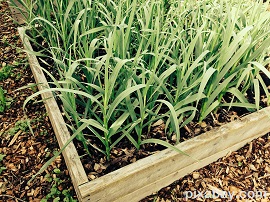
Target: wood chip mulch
<point>22,152</point>
<point>243,175</point>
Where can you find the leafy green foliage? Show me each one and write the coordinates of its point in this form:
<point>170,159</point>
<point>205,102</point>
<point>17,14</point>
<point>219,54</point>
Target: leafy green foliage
<point>2,157</point>
<point>19,125</point>
<point>5,101</point>
<point>2,168</point>
<point>123,65</point>
<point>55,194</point>
<point>5,72</point>
<point>2,100</point>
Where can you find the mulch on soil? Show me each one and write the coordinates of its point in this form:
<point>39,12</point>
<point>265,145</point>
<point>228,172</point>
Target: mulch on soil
<point>247,169</point>
<point>24,152</point>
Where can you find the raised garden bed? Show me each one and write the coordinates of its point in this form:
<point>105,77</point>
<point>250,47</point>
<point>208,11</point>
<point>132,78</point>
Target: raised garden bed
<point>120,90</point>
<point>140,179</point>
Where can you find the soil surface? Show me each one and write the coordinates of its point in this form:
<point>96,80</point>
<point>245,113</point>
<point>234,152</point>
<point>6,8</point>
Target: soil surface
<point>24,150</point>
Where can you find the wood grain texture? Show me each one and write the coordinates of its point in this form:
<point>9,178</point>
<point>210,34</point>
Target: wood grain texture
<point>70,154</point>
<point>148,175</point>
<point>18,12</point>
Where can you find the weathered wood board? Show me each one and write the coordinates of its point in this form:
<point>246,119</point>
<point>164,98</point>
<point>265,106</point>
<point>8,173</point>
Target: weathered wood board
<point>18,12</point>
<point>148,175</point>
<point>145,176</point>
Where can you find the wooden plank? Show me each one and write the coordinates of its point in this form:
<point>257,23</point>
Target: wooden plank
<point>19,18</point>
<point>18,12</point>
<point>140,179</point>
<point>70,154</point>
